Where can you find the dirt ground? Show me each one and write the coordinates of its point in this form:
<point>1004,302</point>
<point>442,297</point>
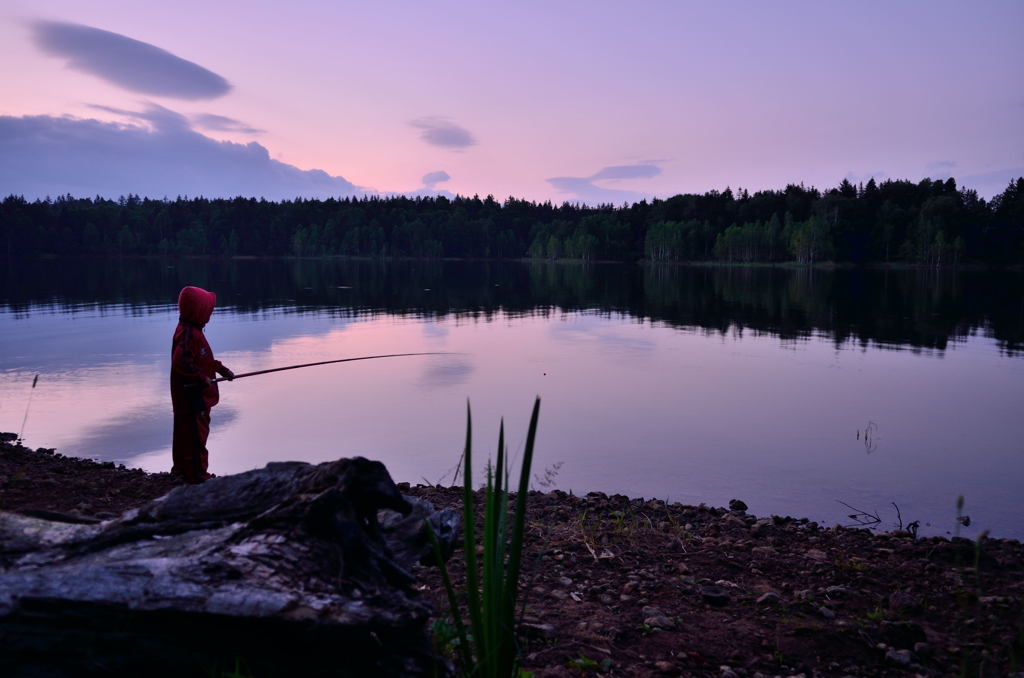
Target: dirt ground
<point>617,586</point>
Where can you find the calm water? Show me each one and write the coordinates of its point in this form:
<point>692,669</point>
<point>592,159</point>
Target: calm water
<point>687,384</point>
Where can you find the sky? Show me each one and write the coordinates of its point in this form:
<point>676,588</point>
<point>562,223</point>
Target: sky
<point>579,101</point>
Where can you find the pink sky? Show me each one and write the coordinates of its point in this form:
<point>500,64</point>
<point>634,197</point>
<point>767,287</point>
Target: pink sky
<point>617,101</point>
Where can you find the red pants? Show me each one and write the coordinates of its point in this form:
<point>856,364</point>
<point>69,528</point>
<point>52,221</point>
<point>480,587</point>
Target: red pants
<point>188,444</point>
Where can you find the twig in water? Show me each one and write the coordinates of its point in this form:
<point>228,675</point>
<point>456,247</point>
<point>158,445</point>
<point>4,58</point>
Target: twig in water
<point>899,516</point>
<point>862,518</point>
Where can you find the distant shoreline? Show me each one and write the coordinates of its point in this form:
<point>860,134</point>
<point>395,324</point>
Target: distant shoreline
<point>787,265</point>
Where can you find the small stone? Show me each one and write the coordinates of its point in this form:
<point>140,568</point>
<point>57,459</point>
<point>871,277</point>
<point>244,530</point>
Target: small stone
<point>769,598</point>
<point>605,599</point>
<point>559,594</point>
<point>726,671</point>
<point>565,581</point>
<point>660,622</point>
<point>714,595</point>
<point>760,526</point>
<point>651,611</point>
<point>902,634</point>
<point>815,554</point>
<point>902,657</point>
<point>826,613</point>
<point>905,600</point>
<point>538,630</point>
<point>665,667</point>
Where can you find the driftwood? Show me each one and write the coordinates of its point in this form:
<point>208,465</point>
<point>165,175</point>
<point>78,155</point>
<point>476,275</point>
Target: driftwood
<point>293,569</point>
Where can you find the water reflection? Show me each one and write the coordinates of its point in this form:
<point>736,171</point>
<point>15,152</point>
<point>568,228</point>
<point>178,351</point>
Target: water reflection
<point>124,436</point>
<point>917,310</point>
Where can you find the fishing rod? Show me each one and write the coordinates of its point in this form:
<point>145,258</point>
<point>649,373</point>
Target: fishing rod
<point>25,419</point>
<point>330,362</point>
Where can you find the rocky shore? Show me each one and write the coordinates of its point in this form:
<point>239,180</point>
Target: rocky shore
<point>618,586</point>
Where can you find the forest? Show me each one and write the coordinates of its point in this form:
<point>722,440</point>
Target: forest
<point>929,223</point>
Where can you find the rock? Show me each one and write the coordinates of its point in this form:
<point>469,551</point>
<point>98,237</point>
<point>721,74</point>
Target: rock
<point>836,591</point>
<point>565,581</point>
<point>769,598</point>
<point>538,630</point>
<point>901,657</point>
<point>902,634</point>
<point>816,554</point>
<point>826,613</point>
<point>714,595</point>
<point>737,505</point>
<point>906,601</point>
<point>289,568</point>
<point>733,520</point>
<point>660,622</point>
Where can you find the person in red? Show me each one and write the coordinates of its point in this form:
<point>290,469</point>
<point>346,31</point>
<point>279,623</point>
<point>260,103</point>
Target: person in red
<point>193,391</point>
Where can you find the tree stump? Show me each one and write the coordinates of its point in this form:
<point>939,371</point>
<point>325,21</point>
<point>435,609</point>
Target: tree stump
<point>290,570</point>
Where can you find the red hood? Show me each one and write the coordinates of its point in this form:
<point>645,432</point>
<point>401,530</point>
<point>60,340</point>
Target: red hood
<point>196,305</point>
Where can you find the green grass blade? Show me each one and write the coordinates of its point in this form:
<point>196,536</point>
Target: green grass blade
<point>516,548</point>
<point>453,601</point>
<point>487,584</point>
<point>469,543</point>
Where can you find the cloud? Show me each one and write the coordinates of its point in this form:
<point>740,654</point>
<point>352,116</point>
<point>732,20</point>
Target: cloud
<point>627,172</point>
<point>855,178</point>
<point>586,189</point>
<point>990,184</point>
<point>162,156</point>
<point>130,64</point>
<point>429,188</point>
<point>157,117</point>
<point>438,131</point>
<point>451,372</point>
<point>431,179</point>
<point>222,123</point>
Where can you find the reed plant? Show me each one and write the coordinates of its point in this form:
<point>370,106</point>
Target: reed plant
<point>488,648</point>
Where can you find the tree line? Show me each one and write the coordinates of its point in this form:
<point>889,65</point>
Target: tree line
<point>932,223</point>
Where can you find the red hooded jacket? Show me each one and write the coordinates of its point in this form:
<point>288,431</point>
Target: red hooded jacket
<point>191,356</point>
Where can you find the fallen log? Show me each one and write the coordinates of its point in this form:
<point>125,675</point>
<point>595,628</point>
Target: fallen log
<point>293,569</point>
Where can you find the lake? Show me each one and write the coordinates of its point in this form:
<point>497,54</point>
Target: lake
<point>791,389</point>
